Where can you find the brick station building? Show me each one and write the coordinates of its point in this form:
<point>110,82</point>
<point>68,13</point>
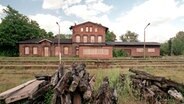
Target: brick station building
<point>88,41</point>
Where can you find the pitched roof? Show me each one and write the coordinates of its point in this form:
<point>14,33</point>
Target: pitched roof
<point>54,40</point>
<point>133,43</point>
<point>90,23</point>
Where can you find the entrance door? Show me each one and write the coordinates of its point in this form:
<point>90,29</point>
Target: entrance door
<point>46,51</point>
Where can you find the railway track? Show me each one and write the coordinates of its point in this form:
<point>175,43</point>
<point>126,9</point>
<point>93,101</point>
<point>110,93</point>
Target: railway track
<point>92,64</point>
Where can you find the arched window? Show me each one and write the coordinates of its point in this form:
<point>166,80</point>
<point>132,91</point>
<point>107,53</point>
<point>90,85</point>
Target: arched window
<point>85,39</point>
<point>77,38</point>
<point>66,50</point>
<point>26,50</point>
<point>92,39</point>
<point>99,39</point>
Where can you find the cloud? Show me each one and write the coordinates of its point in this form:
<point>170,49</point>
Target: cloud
<point>91,9</point>
<point>1,12</point>
<point>48,22</point>
<point>160,13</point>
<point>1,9</point>
<point>57,4</point>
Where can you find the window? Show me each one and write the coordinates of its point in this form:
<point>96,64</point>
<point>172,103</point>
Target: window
<point>96,29</point>
<point>139,50</point>
<point>77,38</point>
<point>82,29</point>
<point>95,51</point>
<point>87,29</point>
<point>99,39</point>
<point>35,50</point>
<point>90,29</point>
<point>56,51</point>
<point>92,39</point>
<point>26,50</point>
<point>151,49</point>
<point>66,50</point>
<point>85,39</point>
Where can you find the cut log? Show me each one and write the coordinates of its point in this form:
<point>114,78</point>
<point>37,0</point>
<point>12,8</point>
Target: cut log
<point>7,93</point>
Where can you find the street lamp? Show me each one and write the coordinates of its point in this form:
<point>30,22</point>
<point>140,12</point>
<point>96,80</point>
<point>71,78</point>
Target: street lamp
<point>145,39</point>
<point>59,43</point>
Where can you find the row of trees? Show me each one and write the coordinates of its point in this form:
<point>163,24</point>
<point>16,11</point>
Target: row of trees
<point>174,46</point>
<point>16,27</point>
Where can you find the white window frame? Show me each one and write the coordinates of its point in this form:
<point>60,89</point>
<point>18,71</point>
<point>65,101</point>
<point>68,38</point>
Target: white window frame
<point>85,39</point>
<point>26,50</point>
<point>82,29</point>
<point>139,50</point>
<point>92,40</point>
<point>90,29</point>
<point>96,29</point>
<point>87,29</point>
<point>35,50</point>
<point>56,51</point>
<point>99,39</point>
<point>151,50</point>
<point>77,38</point>
<point>66,52</point>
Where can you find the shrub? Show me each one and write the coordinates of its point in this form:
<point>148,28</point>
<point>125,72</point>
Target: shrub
<point>119,53</point>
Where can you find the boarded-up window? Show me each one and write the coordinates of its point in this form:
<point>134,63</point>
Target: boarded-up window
<point>46,51</point>
<point>56,51</point>
<point>90,29</point>
<point>35,50</point>
<point>139,49</point>
<point>66,50</point>
<point>151,49</point>
<point>96,29</point>
<point>82,29</point>
<point>77,38</point>
<point>95,51</point>
<point>87,29</point>
<point>99,39</point>
<point>92,39</point>
<point>26,50</point>
<point>85,39</point>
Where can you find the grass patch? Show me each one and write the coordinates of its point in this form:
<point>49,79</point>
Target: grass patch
<point>10,78</point>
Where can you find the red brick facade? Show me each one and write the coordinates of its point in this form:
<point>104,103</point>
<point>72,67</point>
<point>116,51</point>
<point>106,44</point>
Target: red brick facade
<point>88,41</point>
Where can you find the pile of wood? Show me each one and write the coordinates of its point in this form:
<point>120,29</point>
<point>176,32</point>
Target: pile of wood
<point>154,89</point>
<point>72,87</point>
<point>28,92</point>
<point>106,94</point>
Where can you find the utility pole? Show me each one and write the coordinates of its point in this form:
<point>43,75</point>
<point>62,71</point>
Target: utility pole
<point>145,40</point>
<point>59,45</point>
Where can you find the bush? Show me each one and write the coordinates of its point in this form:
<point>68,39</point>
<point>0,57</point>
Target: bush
<point>119,53</point>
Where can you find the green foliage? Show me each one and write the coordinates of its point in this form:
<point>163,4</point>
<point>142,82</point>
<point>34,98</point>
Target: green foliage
<point>129,37</point>
<point>16,27</point>
<point>174,45</point>
<point>164,49</point>
<point>119,53</point>
<point>64,36</point>
<point>48,96</point>
<point>178,43</point>
<point>110,37</point>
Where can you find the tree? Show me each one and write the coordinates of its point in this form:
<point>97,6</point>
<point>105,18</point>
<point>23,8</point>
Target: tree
<point>174,45</point>
<point>129,37</point>
<point>16,27</point>
<point>164,49</point>
<point>64,36</point>
<point>110,37</point>
<point>178,43</point>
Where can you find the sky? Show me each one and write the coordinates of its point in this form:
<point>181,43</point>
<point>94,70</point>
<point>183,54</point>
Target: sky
<point>166,17</point>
